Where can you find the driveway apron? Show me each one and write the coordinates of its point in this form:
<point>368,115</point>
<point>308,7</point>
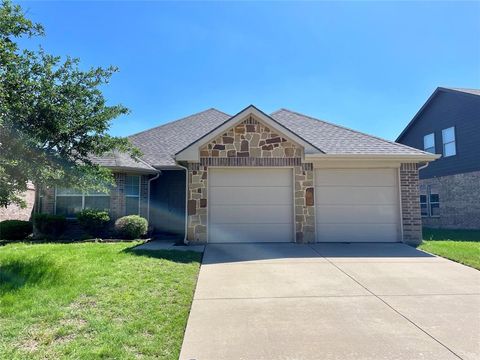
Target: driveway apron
<point>332,301</point>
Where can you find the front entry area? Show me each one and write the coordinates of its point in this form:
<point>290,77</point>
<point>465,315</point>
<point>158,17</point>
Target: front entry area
<point>250,205</point>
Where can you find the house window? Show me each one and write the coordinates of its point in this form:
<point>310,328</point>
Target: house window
<point>429,201</point>
<point>423,201</point>
<point>429,143</point>
<point>132,195</point>
<point>68,202</point>
<point>448,137</point>
<point>434,200</point>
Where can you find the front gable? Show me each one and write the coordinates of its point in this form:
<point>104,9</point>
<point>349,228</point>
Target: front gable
<point>249,134</point>
<point>251,138</point>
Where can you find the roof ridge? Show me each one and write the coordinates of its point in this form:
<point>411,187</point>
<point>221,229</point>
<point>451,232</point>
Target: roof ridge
<point>178,120</point>
<point>348,129</point>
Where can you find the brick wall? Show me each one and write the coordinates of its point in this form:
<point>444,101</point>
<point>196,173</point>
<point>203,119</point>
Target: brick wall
<point>14,212</point>
<point>459,197</point>
<point>117,197</point>
<point>411,218</point>
<point>251,143</point>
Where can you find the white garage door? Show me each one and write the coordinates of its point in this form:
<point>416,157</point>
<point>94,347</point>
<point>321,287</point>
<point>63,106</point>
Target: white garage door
<point>357,205</point>
<point>250,205</point>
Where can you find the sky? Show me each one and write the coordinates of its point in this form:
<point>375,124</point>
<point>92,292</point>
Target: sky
<point>368,66</point>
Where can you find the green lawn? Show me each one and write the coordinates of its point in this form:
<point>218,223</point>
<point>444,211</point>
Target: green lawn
<point>462,246</point>
<point>93,300</point>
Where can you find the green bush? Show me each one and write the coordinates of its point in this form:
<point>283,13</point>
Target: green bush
<point>93,221</point>
<point>131,227</point>
<point>15,229</point>
<point>49,225</point>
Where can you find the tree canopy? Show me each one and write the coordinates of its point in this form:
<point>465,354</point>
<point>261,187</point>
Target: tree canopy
<point>53,115</point>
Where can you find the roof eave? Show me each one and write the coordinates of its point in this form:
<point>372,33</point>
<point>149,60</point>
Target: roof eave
<point>417,158</point>
<point>129,169</point>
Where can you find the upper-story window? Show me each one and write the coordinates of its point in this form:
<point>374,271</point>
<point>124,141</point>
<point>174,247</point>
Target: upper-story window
<point>429,143</point>
<point>448,137</point>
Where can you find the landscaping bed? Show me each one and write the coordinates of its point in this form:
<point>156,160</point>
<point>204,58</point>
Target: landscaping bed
<point>92,300</point>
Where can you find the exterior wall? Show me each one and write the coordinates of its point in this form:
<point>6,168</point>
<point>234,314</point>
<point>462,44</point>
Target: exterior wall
<point>14,212</point>
<point>410,199</point>
<point>447,109</point>
<point>117,197</point>
<point>459,201</point>
<point>251,143</point>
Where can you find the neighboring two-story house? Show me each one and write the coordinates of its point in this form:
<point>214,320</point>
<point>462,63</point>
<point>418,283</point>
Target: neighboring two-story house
<point>449,124</point>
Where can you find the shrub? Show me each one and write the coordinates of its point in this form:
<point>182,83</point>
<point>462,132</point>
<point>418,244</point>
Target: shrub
<point>49,225</point>
<point>131,227</point>
<point>93,221</point>
<point>15,229</point>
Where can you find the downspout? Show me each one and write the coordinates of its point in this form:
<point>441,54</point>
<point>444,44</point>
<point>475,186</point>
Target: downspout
<point>148,196</point>
<point>423,167</point>
<point>185,241</point>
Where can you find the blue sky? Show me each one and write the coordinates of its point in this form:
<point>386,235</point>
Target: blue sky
<point>368,66</point>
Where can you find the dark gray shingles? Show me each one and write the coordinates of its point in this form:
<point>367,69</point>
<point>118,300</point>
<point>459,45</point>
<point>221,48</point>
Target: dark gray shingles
<point>117,159</point>
<point>335,139</point>
<point>160,144</point>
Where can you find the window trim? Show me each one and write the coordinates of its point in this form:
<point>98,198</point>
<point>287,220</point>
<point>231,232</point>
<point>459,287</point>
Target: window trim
<point>134,196</point>
<point>82,195</point>
<point>431,147</point>
<point>454,141</point>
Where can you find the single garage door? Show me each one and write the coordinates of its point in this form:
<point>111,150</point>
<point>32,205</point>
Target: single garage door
<point>357,205</point>
<point>250,205</point>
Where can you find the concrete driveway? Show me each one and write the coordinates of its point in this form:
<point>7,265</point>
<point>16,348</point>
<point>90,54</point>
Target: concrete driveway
<point>332,301</point>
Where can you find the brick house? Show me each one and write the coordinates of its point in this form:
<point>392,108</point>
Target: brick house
<point>448,124</point>
<point>254,177</point>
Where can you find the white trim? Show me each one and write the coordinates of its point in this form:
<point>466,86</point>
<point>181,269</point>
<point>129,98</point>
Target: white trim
<point>82,195</point>
<point>192,153</point>
<point>133,196</point>
<point>374,157</point>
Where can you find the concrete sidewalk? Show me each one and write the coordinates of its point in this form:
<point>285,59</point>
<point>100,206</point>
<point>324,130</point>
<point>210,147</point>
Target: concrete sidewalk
<point>332,301</point>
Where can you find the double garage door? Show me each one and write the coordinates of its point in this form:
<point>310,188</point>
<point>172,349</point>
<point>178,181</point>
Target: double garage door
<point>256,205</point>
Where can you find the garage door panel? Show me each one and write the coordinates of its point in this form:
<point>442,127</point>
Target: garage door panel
<point>241,233</point>
<point>250,195</point>
<point>354,177</point>
<point>356,195</point>
<point>267,214</point>
<point>357,205</point>
<point>357,233</point>
<point>359,214</point>
<point>250,177</point>
<point>250,205</point>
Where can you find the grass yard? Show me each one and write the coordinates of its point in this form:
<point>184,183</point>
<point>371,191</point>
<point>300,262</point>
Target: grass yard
<point>94,300</point>
<point>462,246</point>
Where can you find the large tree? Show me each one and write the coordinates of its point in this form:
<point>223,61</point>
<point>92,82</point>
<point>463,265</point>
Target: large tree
<point>53,115</point>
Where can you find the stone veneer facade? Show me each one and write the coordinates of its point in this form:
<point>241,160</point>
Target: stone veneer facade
<point>251,143</point>
<point>410,198</point>
<point>117,197</point>
<point>459,197</point>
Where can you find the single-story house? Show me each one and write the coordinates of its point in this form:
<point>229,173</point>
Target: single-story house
<point>254,177</point>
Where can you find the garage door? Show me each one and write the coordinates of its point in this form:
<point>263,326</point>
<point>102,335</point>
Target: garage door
<point>357,205</point>
<point>250,205</point>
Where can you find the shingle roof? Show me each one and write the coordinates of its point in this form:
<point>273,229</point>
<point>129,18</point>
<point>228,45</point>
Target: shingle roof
<point>120,160</point>
<point>160,144</point>
<point>335,139</point>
